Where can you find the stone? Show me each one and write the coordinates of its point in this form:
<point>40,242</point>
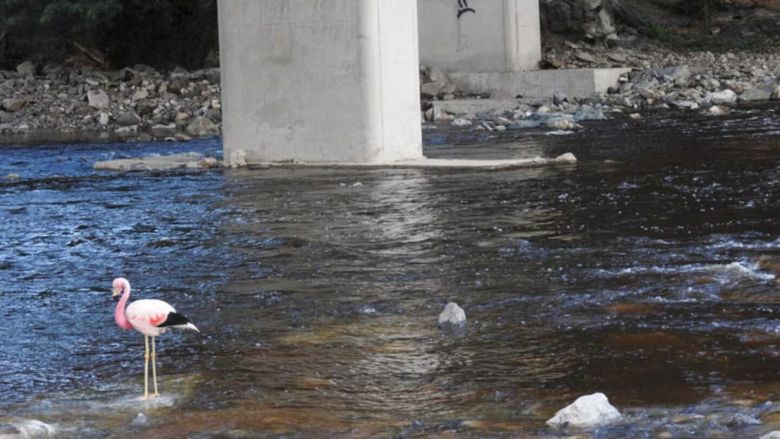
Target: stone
<point>33,428</point>
<point>584,56</point>
<point>128,118</point>
<point>237,159</point>
<point>452,315</point>
<point>140,420</point>
<point>98,99</point>
<point>103,118</point>
<point>771,435</point>
<point>12,177</point>
<point>586,112</point>
<point>26,68</point>
<point>721,97</point>
<point>201,127</point>
<point>718,110</point>
<point>755,94</point>
<point>140,94</point>
<point>617,57</point>
<point>432,88</point>
<point>461,122</point>
<point>161,130</point>
<point>587,411</point>
<point>559,98</point>
<point>562,124</point>
<point>13,104</point>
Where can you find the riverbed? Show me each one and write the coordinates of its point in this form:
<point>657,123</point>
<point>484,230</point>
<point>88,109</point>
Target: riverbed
<point>634,272</point>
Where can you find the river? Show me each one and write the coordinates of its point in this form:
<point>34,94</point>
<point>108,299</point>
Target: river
<point>635,272</point>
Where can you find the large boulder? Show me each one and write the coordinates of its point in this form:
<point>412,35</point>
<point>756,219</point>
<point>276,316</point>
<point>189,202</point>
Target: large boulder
<point>587,411</point>
<point>589,18</point>
<point>201,127</point>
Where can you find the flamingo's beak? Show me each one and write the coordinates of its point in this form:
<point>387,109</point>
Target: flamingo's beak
<point>116,293</point>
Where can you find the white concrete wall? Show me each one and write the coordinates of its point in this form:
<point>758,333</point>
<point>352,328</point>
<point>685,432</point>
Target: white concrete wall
<point>488,36</point>
<point>320,81</point>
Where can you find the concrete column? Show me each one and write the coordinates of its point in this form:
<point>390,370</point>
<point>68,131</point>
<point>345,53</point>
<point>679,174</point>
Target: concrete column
<point>480,35</point>
<point>320,81</point>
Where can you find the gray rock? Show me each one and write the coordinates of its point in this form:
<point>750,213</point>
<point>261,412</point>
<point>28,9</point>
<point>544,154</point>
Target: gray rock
<point>432,88</point>
<point>461,122</point>
<point>33,428</point>
<point>201,127</point>
<point>140,420</point>
<point>771,435</point>
<point>12,104</point>
<point>140,94</point>
<point>128,118</point>
<point>452,315</point>
<point>584,56</point>
<point>721,97</point>
<point>718,110</point>
<point>98,99</point>
<point>103,118</point>
<point>160,130</point>
<point>587,411</point>
<point>756,94</point>
<point>617,57</point>
<point>26,68</point>
<point>559,98</point>
<point>181,137</point>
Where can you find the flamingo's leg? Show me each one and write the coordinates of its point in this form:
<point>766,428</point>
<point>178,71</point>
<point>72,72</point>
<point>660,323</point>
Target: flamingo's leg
<point>146,367</point>
<point>154,369</point>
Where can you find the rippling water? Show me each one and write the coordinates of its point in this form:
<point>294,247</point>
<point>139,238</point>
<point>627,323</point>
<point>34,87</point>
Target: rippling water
<point>634,273</point>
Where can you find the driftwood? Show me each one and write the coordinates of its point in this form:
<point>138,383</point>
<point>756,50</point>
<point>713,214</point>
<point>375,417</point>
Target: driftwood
<point>95,57</point>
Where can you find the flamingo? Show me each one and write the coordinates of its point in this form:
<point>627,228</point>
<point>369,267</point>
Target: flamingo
<point>150,317</point>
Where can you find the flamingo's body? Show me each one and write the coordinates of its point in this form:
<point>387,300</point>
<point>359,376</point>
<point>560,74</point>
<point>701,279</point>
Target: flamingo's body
<point>150,317</point>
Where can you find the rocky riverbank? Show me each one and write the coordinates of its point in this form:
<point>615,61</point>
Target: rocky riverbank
<point>81,103</point>
<point>43,104</point>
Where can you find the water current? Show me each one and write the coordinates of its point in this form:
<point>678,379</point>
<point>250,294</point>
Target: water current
<point>646,271</point>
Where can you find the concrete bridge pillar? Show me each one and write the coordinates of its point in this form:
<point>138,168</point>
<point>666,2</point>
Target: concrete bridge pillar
<point>480,35</point>
<point>320,81</point>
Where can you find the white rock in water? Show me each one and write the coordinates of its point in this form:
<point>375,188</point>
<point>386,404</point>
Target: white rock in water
<point>140,420</point>
<point>586,411</point>
<point>452,315</point>
<point>237,159</point>
<point>771,435</point>
<point>461,122</point>
<point>35,429</point>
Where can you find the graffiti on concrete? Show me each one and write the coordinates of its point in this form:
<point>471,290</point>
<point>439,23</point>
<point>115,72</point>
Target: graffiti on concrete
<point>463,7</point>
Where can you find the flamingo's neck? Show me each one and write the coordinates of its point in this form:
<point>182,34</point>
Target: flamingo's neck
<point>119,312</point>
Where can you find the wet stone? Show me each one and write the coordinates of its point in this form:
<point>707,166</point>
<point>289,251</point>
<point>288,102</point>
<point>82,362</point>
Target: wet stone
<point>587,411</point>
<point>453,315</point>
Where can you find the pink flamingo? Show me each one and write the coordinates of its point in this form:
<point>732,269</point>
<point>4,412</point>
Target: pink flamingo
<point>150,317</point>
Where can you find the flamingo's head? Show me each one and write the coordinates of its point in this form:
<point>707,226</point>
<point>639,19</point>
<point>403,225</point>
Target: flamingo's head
<point>119,286</point>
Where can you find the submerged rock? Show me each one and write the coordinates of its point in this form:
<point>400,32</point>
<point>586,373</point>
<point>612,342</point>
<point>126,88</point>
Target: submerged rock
<point>158,163</point>
<point>771,435</point>
<point>453,315</point>
<point>140,420</point>
<point>33,428</point>
<point>587,411</point>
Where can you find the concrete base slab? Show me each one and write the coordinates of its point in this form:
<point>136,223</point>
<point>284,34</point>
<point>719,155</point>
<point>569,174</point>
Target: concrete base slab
<point>158,163</point>
<point>489,165</point>
<point>539,83</point>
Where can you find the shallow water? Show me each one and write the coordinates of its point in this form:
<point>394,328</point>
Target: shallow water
<point>633,273</point>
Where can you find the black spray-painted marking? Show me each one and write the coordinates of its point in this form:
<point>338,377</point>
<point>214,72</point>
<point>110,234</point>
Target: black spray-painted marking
<point>463,7</point>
